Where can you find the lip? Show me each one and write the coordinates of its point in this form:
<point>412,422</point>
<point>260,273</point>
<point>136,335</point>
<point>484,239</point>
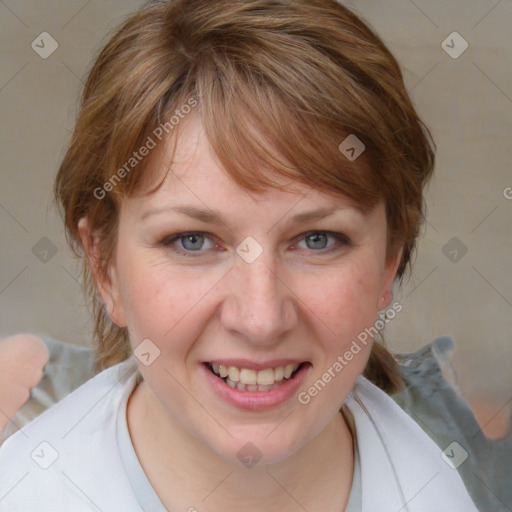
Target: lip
<point>256,400</point>
<point>252,365</point>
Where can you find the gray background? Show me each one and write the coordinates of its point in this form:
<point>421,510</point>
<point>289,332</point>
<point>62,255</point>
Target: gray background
<point>466,101</point>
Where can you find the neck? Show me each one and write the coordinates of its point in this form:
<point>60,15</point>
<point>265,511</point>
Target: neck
<point>186,474</point>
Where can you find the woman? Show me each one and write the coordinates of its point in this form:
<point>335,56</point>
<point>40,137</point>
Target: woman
<point>244,185</point>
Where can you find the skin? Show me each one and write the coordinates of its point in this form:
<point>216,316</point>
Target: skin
<point>296,299</point>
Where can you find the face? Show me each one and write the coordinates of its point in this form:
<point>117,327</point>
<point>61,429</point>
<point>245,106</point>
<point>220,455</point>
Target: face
<point>255,286</point>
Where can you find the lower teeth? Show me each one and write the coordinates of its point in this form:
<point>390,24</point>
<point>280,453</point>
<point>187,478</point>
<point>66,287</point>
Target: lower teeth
<point>252,387</point>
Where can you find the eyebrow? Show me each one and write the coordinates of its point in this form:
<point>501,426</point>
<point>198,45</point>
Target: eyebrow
<point>211,217</point>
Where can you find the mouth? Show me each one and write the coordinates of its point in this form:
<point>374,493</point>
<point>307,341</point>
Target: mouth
<point>251,380</point>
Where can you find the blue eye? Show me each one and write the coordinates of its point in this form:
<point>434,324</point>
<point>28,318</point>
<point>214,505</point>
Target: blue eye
<point>193,242</point>
<point>190,242</point>
<point>318,240</point>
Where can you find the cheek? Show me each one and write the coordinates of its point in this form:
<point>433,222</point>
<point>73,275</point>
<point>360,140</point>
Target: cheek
<point>347,300</point>
<point>345,311</point>
<point>161,303</point>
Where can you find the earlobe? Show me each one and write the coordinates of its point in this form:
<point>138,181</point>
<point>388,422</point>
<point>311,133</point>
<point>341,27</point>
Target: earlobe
<point>385,299</point>
<point>386,295</point>
<point>106,284</point>
<point>112,302</point>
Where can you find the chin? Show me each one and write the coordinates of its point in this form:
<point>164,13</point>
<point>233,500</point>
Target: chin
<point>257,444</point>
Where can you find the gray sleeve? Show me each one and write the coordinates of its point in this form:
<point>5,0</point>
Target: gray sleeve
<point>68,367</point>
<point>434,402</point>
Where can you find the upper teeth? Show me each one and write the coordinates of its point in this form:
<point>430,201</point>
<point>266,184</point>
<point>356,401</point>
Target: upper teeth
<point>264,377</point>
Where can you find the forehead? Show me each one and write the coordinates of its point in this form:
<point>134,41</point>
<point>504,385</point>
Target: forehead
<point>187,167</point>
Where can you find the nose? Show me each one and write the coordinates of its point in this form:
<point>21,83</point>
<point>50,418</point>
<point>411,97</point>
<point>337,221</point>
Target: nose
<point>260,306</point>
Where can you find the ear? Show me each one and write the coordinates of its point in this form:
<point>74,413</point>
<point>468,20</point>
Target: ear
<point>388,278</point>
<point>107,285</point>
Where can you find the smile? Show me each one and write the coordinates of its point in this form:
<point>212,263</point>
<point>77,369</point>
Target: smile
<point>247,379</point>
<point>258,388</point>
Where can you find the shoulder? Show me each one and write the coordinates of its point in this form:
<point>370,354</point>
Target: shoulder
<point>67,456</point>
<point>398,458</point>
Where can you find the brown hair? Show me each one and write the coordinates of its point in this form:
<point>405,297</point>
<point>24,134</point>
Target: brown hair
<point>278,85</point>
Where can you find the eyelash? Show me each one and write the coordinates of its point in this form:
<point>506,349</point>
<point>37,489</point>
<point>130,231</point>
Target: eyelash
<point>342,240</point>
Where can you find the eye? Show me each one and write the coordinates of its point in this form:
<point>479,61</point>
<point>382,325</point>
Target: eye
<point>317,240</point>
<point>187,243</point>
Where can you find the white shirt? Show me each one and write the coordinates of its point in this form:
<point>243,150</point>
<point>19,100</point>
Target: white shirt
<point>147,497</point>
<point>68,458</point>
